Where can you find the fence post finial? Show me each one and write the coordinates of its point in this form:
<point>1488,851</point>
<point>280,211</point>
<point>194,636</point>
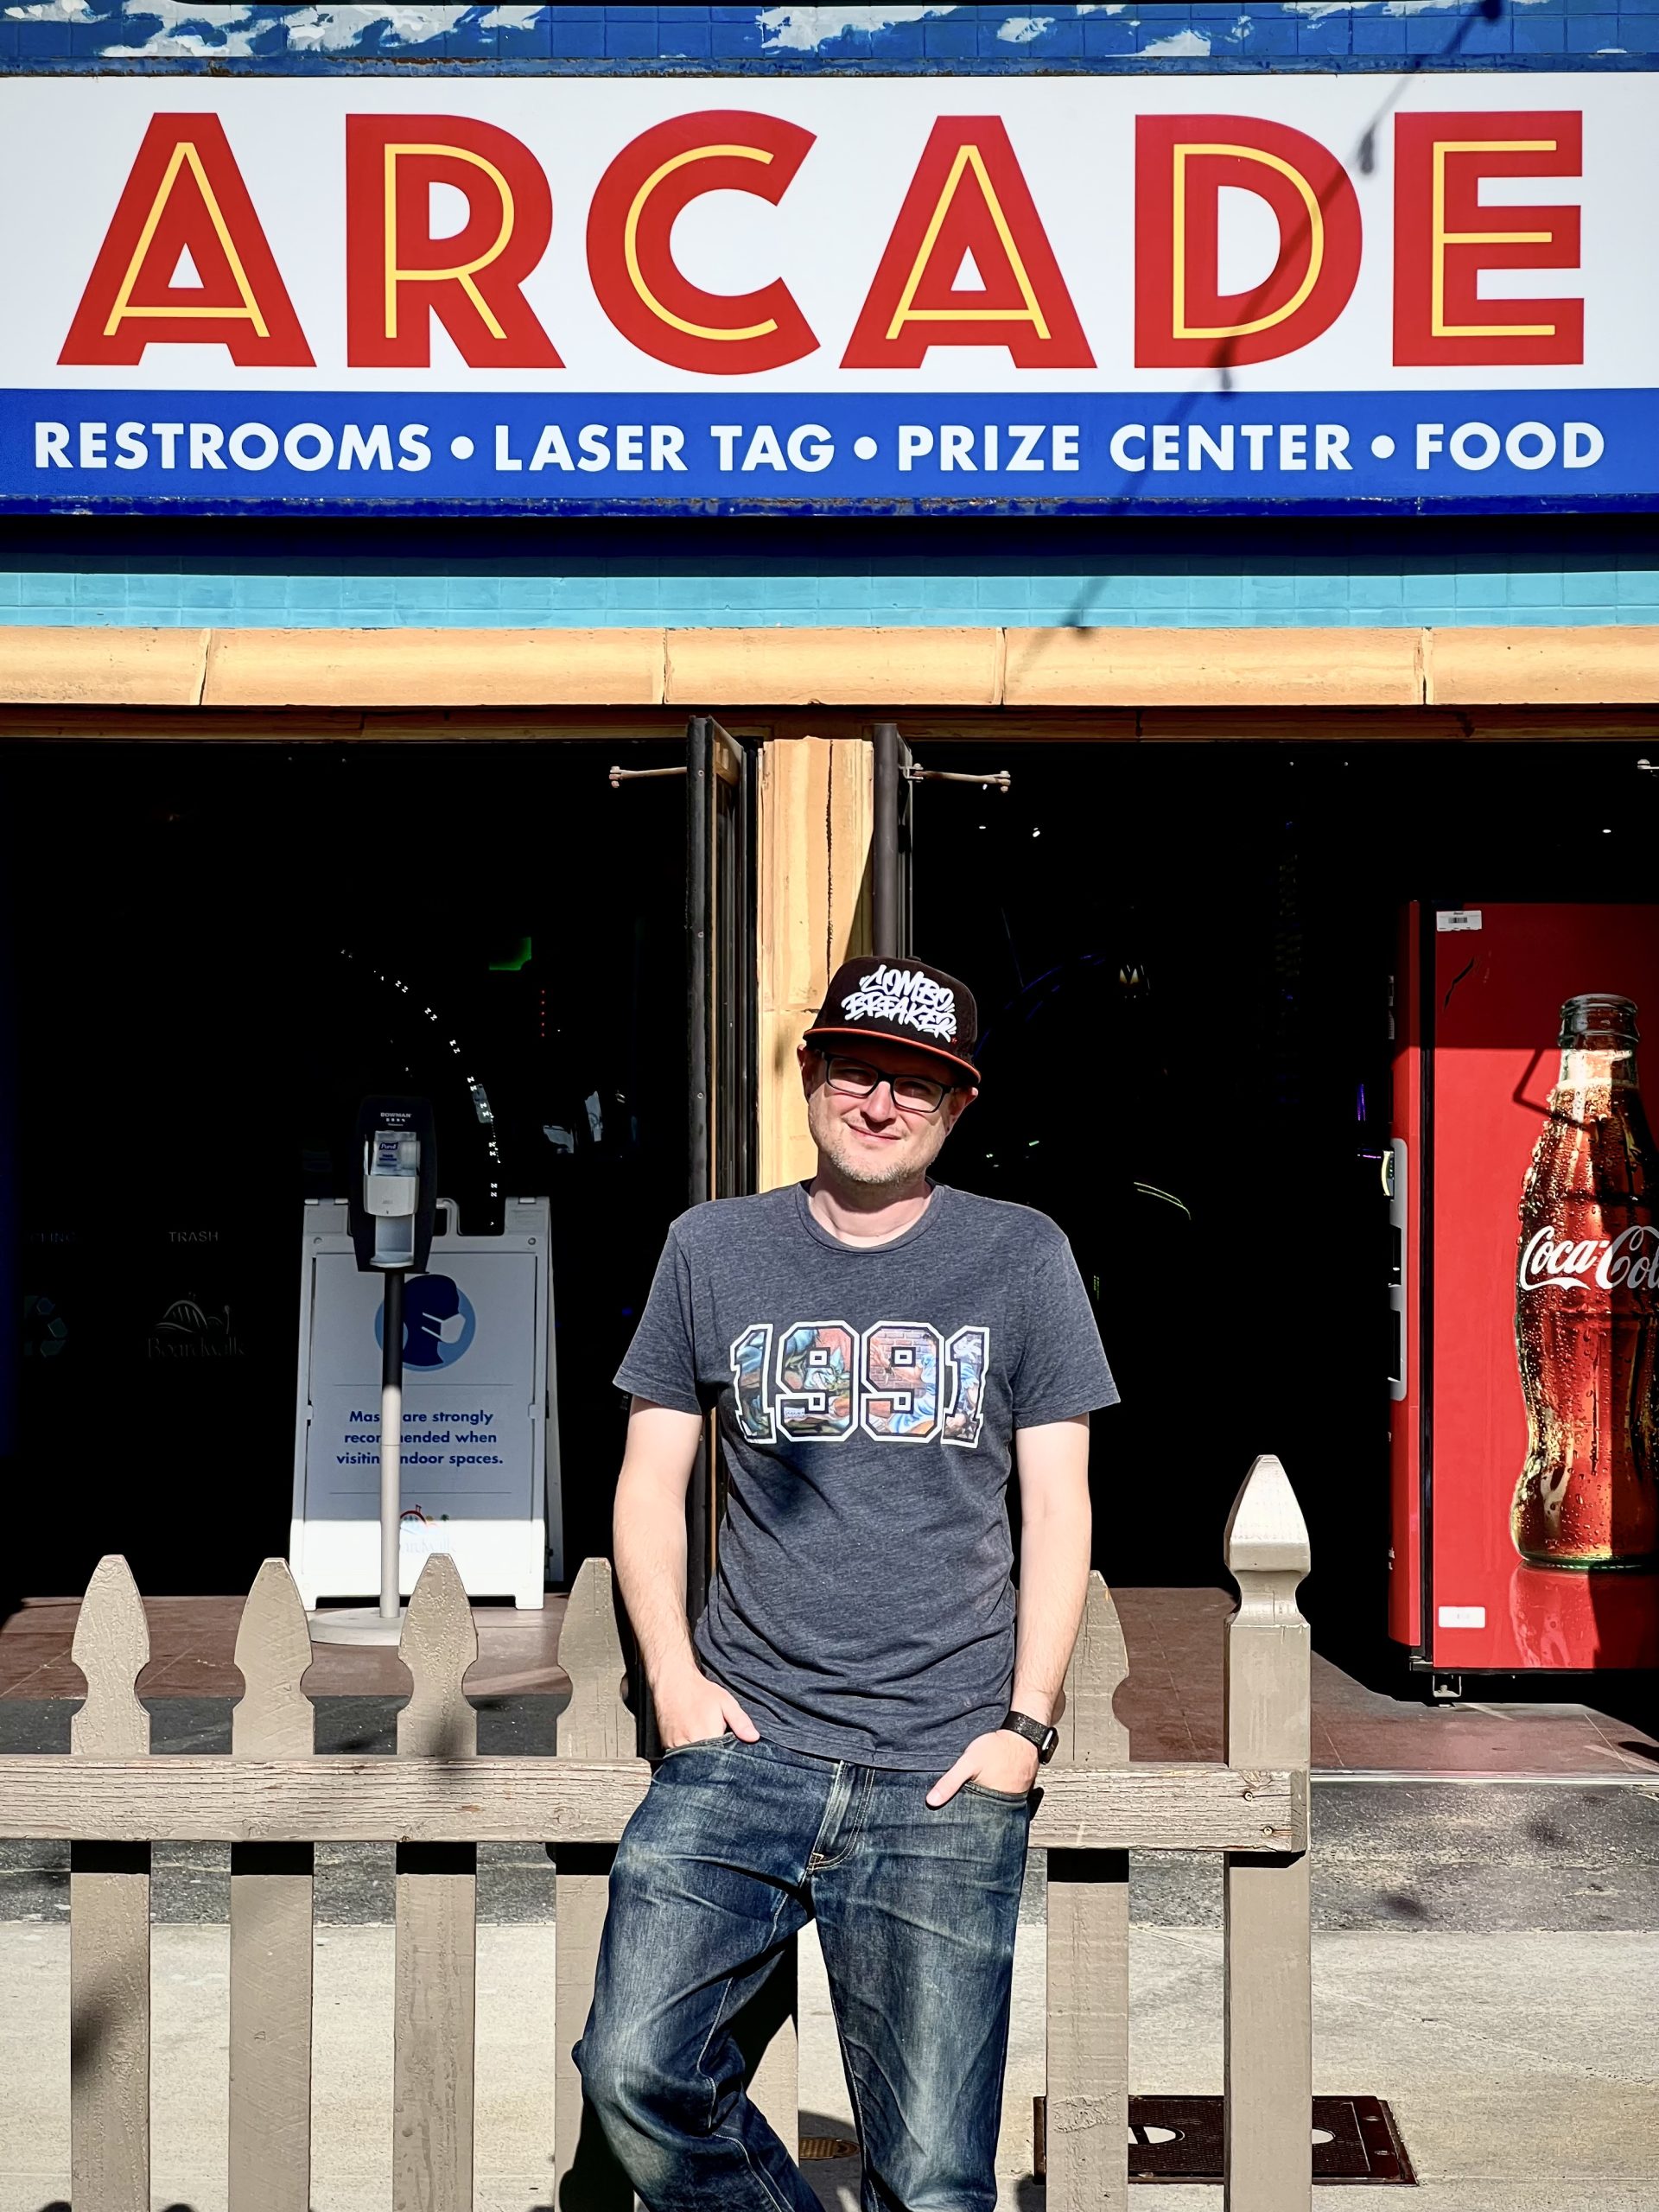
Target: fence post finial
<point>439,1644</point>
<point>1091,1735</point>
<point>596,1724</point>
<point>273,1718</point>
<point>1268,1640</point>
<point>112,1649</point>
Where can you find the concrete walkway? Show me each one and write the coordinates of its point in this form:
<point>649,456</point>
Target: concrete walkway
<point>1523,2066</point>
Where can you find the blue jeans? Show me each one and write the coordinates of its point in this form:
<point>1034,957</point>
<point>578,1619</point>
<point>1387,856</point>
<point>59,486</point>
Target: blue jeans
<point>736,1846</point>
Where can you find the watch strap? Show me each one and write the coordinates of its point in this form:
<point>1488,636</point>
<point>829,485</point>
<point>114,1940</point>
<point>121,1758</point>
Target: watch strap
<point>1043,1735</point>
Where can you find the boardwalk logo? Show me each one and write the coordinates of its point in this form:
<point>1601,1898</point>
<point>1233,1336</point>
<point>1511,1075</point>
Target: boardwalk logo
<point>187,1330</point>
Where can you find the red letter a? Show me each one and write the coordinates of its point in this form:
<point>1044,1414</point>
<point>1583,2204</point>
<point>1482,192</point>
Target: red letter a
<point>969,197</point>
<point>186,195</point>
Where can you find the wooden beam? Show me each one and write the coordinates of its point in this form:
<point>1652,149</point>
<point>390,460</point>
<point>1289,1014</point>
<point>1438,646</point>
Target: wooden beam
<point>964,681</point>
<point>72,666</point>
<point>1214,668</point>
<point>1603,666</point>
<point>352,725</point>
<point>350,1800</point>
<point>816,817</point>
<point>715,669</point>
<point>434,668</point>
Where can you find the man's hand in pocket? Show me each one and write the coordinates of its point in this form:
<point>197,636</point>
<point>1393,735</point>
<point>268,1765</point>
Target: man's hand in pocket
<point>998,1760</point>
<point>691,1709</point>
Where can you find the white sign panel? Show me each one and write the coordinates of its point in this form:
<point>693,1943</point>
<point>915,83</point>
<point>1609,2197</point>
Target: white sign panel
<point>604,292</point>
<point>475,1411</point>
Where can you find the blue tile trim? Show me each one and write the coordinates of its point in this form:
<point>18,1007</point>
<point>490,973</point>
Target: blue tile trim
<point>277,37</point>
<point>1243,607</point>
<point>1569,572</point>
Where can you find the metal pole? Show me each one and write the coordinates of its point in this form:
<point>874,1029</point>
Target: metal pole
<point>391,1437</point>
<point>885,921</point>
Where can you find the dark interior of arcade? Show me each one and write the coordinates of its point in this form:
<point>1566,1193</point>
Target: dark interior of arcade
<point>216,953</point>
<point>1182,954</point>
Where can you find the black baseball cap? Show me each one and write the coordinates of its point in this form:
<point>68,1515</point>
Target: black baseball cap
<point>905,1001</point>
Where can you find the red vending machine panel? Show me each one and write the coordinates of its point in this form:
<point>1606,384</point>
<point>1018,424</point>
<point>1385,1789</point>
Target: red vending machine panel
<point>1526,1445</point>
<point>1405,1296</point>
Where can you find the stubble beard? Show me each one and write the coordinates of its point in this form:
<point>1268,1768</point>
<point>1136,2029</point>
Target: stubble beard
<point>832,1138</point>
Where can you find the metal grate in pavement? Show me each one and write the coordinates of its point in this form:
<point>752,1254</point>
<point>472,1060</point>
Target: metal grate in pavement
<point>827,2146</point>
<point>1181,2138</point>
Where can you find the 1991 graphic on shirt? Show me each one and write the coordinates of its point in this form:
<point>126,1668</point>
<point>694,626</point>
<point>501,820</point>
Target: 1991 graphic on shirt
<point>898,1381</point>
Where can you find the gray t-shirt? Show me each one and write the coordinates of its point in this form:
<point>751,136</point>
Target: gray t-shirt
<point>867,1401</point>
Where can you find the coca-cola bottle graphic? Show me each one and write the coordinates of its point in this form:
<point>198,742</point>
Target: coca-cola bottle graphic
<point>1586,1307</point>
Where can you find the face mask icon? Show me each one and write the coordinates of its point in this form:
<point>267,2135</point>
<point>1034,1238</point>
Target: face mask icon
<point>439,1323</point>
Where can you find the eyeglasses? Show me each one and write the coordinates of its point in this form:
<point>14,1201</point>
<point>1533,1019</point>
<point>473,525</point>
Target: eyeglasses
<point>915,1094</point>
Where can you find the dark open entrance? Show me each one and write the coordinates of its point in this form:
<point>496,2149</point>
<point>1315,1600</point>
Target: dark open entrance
<point>1182,954</point>
<point>215,950</point>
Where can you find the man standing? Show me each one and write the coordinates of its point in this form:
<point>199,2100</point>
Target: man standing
<point>855,1730</point>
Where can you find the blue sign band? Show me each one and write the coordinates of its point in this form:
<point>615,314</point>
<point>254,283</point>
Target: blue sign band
<point>421,451</point>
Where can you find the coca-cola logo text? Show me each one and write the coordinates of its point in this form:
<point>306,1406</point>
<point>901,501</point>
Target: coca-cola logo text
<point>1627,1262</point>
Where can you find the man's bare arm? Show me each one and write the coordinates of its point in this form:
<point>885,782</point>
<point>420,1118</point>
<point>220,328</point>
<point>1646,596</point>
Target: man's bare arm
<point>1052,1461</point>
<point>1055,1529</point>
<point>649,1544</point>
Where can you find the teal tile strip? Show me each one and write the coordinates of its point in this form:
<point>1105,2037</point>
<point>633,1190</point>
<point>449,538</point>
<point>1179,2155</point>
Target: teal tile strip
<point>1186,598</point>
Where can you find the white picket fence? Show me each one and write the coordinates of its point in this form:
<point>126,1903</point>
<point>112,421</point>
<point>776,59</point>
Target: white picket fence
<point>273,1798</point>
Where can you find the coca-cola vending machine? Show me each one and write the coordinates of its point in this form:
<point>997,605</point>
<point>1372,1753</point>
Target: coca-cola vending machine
<point>1524,1211</point>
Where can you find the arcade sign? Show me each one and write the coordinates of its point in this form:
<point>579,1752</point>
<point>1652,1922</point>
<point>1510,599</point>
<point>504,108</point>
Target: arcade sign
<point>607,294</point>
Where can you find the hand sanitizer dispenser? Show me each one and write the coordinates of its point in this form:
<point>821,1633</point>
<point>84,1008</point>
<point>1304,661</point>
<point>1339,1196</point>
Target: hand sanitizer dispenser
<point>392,1208</point>
<point>393,1211</point>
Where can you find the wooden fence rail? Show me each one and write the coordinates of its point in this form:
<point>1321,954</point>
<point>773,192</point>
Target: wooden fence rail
<point>273,1798</point>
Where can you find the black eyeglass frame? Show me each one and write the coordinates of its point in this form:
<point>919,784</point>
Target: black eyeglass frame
<point>831,1060</point>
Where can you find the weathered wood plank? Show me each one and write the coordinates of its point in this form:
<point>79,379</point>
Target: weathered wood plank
<point>432,2027</point>
<point>434,1999</point>
<point>1087,2115</point>
<point>109,2026</point>
<point>351,1800</point>
<point>272,1919</point>
<point>1268,2000</point>
<point>1087,2108</point>
<point>596,1725</point>
<point>109,1915</point>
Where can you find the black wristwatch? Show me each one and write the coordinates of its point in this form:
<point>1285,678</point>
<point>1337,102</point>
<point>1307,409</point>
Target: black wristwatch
<point>1046,1737</point>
